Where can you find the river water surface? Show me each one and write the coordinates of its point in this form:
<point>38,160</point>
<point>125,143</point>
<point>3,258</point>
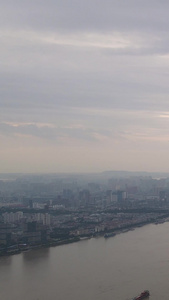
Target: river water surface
<point>117,268</point>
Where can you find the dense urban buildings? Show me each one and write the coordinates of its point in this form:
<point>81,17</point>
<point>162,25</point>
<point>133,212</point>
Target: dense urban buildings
<point>45,210</point>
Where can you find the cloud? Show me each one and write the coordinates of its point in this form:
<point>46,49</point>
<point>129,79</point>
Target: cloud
<point>49,132</point>
<point>86,76</point>
<point>78,15</point>
<point>109,125</point>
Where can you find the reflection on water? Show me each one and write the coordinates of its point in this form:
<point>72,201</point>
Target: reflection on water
<point>35,256</point>
<point>5,261</point>
<point>118,268</point>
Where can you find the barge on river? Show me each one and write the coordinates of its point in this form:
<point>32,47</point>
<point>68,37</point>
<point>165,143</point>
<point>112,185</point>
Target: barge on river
<point>143,295</point>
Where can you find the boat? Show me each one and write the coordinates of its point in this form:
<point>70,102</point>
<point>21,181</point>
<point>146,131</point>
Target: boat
<point>107,235</point>
<point>143,295</point>
<point>125,230</point>
<point>85,238</point>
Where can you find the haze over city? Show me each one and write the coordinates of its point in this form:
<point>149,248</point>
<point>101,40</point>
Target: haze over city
<point>84,86</point>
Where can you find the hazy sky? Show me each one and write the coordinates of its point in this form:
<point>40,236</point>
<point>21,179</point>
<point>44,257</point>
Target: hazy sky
<point>84,85</point>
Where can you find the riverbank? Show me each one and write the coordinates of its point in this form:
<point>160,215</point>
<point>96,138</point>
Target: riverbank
<point>17,249</point>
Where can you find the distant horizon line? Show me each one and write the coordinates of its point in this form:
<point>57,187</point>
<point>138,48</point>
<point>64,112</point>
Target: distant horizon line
<point>82,172</point>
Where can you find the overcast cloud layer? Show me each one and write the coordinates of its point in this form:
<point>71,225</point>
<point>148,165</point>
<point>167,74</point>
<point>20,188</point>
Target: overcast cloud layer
<point>84,85</point>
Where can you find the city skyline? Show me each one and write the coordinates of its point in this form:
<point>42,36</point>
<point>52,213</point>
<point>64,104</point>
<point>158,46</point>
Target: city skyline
<point>84,86</point>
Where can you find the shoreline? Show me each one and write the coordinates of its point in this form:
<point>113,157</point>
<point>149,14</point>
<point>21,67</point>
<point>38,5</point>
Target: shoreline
<point>9,251</point>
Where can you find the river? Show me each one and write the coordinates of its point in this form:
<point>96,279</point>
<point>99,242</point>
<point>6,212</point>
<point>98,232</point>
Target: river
<point>116,268</point>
